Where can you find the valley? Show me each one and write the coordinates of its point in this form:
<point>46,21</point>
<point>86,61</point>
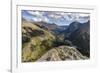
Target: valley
<point>43,41</point>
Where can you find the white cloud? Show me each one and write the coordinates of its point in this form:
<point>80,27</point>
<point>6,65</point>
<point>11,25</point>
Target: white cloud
<point>38,16</point>
<point>76,17</point>
<point>45,19</point>
<point>54,16</point>
<point>83,15</point>
<point>36,19</point>
<point>37,13</point>
<point>58,16</point>
<point>42,18</point>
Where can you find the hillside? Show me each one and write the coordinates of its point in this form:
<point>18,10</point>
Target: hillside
<point>35,41</point>
<point>62,53</point>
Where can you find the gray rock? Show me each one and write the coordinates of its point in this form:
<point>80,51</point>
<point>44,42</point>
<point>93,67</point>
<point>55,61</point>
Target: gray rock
<point>62,53</point>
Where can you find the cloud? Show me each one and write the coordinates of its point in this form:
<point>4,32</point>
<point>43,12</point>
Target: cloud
<point>37,16</point>
<point>45,19</point>
<point>84,15</point>
<point>55,17</point>
<point>71,17</point>
<point>36,13</point>
<point>36,19</point>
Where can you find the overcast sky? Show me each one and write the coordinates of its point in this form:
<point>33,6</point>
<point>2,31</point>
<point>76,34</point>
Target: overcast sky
<point>59,18</point>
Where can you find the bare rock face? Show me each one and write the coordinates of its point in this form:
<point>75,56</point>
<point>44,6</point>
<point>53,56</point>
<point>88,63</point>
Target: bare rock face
<point>62,53</point>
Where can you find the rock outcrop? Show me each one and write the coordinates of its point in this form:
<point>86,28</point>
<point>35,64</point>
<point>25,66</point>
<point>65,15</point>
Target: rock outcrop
<point>62,53</point>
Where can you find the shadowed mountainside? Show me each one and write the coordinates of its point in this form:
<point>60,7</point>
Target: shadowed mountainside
<point>80,36</point>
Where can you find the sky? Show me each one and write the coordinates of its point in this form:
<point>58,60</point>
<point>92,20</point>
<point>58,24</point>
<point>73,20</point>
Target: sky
<point>59,18</point>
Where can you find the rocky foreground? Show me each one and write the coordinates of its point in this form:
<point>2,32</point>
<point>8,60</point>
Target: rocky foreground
<point>62,53</point>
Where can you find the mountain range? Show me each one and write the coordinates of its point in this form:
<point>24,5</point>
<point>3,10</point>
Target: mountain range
<point>43,41</point>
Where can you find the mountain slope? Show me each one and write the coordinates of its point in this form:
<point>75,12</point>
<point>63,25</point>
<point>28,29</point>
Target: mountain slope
<point>73,26</point>
<point>35,41</point>
<point>62,53</point>
<point>51,27</point>
<point>81,38</point>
